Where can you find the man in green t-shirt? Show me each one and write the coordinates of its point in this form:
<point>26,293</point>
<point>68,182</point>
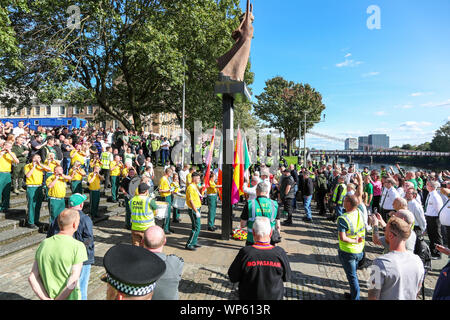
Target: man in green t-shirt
<point>58,262</point>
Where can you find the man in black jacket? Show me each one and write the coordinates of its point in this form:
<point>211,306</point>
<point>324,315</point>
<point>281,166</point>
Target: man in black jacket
<point>308,191</point>
<point>294,175</point>
<point>287,193</point>
<point>261,268</point>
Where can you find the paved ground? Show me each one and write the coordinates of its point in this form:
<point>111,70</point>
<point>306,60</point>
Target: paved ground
<point>311,248</point>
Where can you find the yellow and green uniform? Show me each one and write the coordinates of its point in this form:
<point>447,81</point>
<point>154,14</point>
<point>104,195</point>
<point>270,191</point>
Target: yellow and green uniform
<point>56,197</point>
<point>6,161</point>
<point>77,156</point>
<point>124,172</point>
<point>34,193</point>
<point>193,194</point>
<point>52,164</point>
<point>94,193</point>
<point>142,215</point>
<point>76,183</point>
<point>95,163</point>
<point>188,179</point>
<point>211,191</point>
<point>115,176</point>
<point>167,197</point>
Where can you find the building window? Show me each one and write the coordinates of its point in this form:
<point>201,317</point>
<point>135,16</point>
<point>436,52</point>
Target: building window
<point>62,110</point>
<point>37,111</point>
<point>76,110</point>
<point>8,112</point>
<point>28,111</point>
<point>48,110</point>
<point>90,110</point>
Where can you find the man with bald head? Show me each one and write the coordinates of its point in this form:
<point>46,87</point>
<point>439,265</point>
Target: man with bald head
<point>59,259</point>
<point>167,285</point>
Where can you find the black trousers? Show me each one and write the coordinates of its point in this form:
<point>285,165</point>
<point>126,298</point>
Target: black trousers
<point>376,203</point>
<point>106,174</point>
<point>434,233</point>
<point>321,201</point>
<point>287,207</point>
<point>447,229</point>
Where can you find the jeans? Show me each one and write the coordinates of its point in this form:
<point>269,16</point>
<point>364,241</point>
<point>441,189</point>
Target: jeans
<point>294,201</point>
<point>84,280</point>
<point>165,156</point>
<point>350,263</point>
<point>66,165</point>
<point>307,206</point>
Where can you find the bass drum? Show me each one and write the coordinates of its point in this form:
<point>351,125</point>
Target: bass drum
<point>134,184</point>
<point>179,201</point>
<point>162,211</point>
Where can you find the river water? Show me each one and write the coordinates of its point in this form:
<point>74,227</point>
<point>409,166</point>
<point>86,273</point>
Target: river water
<point>377,166</point>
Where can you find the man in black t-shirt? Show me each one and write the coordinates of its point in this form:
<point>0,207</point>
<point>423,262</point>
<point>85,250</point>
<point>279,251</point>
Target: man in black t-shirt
<point>261,268</point>
<point>287,193</point>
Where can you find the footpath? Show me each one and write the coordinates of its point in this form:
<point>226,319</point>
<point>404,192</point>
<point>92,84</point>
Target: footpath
<point>311,247</point>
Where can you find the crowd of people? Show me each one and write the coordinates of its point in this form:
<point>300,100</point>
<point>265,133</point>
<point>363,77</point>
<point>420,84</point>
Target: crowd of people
<point>43,163</point>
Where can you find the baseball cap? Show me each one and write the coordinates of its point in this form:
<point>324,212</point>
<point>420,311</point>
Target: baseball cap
<point>143,187</point>
<point>76,199</point>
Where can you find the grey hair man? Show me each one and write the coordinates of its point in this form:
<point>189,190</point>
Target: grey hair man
<point>399,204</point>
<point>261,206</point>
<point>403,214</point>
<point>262,268</point>
<point>167,286</point>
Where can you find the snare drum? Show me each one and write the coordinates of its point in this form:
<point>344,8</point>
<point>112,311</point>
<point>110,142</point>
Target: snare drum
<point>179,201</point>
<point>162,211</point>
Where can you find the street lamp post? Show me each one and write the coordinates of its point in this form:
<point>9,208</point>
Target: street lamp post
<point>184,105</point>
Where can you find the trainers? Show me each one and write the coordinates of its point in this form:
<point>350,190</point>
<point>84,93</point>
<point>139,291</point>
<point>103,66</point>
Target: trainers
<point>190,248</point>
<point>287,223</point>
<point>32,226</point>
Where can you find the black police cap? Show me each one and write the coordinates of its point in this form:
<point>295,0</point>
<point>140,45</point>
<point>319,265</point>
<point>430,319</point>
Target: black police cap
<point>133,270</point>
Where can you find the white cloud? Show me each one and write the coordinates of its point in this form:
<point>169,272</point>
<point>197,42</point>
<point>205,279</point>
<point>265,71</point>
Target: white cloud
<point>348,63</point>
<point>436,105</point>
<point>420,94</point>
<point>380,113</point>
<point>414,126</point>
<point>348,55</point>
<point>370,74</point>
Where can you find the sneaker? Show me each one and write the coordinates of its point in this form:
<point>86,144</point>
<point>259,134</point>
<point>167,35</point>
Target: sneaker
<point>287,223</point>
<point>197,246</point>
<point>190,248</point>
<point>167,232</point>
<point>212,229</point>
<point>32,226</point>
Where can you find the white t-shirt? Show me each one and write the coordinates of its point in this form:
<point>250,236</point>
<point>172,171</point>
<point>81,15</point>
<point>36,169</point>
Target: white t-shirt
<point>398,275</point>
<point>18,131</point>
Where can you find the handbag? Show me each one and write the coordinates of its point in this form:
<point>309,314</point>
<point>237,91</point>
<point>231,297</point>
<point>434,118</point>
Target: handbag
<point>276,237</point>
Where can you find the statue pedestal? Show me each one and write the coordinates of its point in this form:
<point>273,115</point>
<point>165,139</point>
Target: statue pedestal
<point>230,91</point>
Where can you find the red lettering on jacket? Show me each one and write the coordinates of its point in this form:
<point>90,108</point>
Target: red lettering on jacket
<point>263,263</point>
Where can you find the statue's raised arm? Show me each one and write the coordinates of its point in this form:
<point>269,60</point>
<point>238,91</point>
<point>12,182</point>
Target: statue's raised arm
<point>234,62</point>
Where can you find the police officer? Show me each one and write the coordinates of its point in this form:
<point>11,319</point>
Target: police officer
<point>338,198</point>
<point>131,272</point>
<point>262,206</point>
<point>106,159</point>
<point>142,216</point>
<point>351,234</point>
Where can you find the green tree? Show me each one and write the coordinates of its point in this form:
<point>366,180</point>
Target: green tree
<point>441,140</point>
<point>282,106</point>
<point>127,57</point>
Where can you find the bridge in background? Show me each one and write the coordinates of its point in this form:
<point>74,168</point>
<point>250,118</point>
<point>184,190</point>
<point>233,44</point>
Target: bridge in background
<point>378,153</point>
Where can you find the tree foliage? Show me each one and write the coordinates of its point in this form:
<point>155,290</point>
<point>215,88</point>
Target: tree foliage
<point>441,140</point>
<point>127,57</point>
<point>282,106</point>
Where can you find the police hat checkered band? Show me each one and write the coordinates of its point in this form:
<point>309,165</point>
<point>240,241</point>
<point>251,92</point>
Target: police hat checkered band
<point>129,289</point>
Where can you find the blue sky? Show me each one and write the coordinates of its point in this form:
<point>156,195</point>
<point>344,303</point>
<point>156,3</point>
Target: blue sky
<point>393,80</point>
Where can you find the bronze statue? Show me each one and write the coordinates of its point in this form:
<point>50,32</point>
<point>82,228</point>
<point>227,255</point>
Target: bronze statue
<point>234,62</point>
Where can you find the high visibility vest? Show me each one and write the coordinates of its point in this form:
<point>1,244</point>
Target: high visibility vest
<point>341,198</point>
<point>105,158</point>
<point>357,228</point>
<point>270,209</point>
<point>142,216</point>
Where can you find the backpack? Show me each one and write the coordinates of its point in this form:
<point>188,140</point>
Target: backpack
<point>423,251</point>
